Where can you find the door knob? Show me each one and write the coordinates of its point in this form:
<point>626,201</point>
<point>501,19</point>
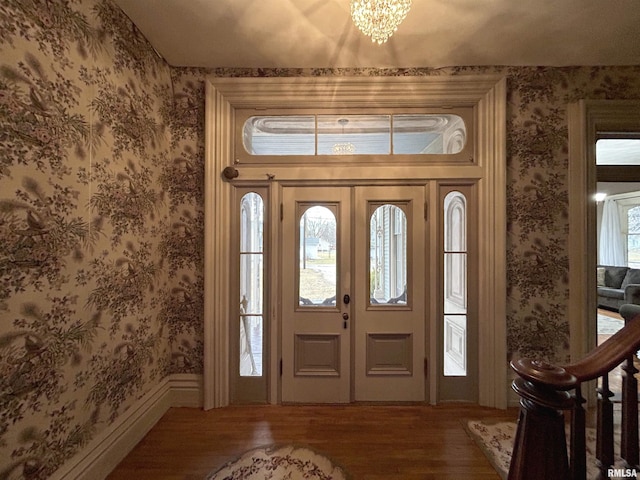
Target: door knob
<point>345,316</point>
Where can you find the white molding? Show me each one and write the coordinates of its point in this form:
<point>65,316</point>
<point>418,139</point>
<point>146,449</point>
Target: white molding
<point>186,390</point>
<point>492,232</point>
<point>217,225</point>
<point>487,93</point>
<point>112,445</point>
<point>587,118</point>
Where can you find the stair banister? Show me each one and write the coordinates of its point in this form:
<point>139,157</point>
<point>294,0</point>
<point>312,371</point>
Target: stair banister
<point>539,450</point>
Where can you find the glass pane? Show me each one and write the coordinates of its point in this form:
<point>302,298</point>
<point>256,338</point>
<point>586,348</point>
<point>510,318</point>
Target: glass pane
<point>354,134</point>
<point>618,151</point>
<point>251,283</point>
<point>251,338</point>
<point>455,283</point>
<point>280,135</point>
<point>455,225</point>
<point>388,256</point>
<point>251,223</point>
<point>318,275</point>
<point>428,134</point>
<point>455,345</point>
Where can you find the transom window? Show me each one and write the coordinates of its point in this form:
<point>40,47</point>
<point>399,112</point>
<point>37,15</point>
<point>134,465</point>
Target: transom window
<point>338,135</point>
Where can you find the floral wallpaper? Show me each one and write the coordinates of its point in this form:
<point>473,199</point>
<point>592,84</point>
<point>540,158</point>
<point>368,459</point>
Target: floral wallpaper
<point>537,178</point>
<point>101,217</point>
<point>89,267</point>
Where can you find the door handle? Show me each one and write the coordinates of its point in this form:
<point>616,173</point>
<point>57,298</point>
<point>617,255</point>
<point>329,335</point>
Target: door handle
<point>345,317</point>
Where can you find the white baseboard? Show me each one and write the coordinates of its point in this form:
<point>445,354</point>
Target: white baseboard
<point>114,443</point>
<point>186,390</point>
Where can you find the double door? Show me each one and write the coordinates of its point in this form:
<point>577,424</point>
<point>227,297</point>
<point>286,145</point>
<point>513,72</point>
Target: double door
<point>353,294</point>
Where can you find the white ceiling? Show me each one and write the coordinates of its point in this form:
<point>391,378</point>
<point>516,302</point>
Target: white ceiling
<point>436,33</point>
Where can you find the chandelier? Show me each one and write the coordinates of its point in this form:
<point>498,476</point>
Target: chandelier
<point>343,148</point>
<point>379,18</point>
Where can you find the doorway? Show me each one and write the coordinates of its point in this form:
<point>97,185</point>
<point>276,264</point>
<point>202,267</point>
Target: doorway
<point>484,167</point>
<point>353,294</point>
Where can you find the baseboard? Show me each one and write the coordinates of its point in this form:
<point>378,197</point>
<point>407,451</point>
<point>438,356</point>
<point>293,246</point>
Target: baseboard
<point>186,390</point>
<point>113,444</point>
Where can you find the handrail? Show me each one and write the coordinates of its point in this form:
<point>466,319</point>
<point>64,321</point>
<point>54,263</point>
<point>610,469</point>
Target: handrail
<point>540,449</point>
<point>608,355</point>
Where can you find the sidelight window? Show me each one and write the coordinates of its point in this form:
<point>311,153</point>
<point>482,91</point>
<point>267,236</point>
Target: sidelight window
<point>251,318</point>
<point>455,285</point>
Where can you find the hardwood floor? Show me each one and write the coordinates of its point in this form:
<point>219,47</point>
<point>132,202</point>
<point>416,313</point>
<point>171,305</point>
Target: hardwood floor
<point>371,442</point>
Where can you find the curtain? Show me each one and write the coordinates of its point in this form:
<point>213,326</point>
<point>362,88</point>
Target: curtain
<point>612,251</point>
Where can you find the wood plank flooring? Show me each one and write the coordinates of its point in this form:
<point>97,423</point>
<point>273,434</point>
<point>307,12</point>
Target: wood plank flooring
<point>372,442</point>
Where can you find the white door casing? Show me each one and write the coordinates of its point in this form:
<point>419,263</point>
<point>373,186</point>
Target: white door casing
<point>487,94</point>
<point>586,119</point>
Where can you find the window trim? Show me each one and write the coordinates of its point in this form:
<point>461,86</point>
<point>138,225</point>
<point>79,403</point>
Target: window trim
<point>485,93</point>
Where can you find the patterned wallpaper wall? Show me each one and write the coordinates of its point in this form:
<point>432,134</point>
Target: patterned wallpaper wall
<point>95,279</point>
<point>537,177</point>
<point>101,217</point>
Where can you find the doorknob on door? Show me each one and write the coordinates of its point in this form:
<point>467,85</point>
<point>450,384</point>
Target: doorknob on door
<point>345,317</point>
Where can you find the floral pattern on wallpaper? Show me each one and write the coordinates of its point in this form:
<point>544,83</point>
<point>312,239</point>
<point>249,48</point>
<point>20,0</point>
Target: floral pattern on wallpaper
<point>86,325</point>
<point>102,217</point>
<point>537,176</point>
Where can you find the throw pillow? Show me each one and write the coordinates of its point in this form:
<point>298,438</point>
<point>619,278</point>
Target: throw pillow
<point>632,277</point>
<point>600,276</point>
<point>613,276</point>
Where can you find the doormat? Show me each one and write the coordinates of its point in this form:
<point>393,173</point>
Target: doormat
<point>495,439</point>
<point>280,462</point>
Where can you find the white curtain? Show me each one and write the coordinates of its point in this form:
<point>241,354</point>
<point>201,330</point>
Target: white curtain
<point>611,237</point>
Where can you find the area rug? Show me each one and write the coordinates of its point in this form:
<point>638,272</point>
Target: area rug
<point>282,462</point>
<point>495,439</point>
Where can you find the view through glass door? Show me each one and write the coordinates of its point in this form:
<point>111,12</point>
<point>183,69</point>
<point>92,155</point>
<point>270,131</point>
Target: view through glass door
<point>353,301</point>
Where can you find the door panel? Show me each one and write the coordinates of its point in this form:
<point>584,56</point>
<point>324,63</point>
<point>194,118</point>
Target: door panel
<point>369,346</point>
<point>315,337</point>
<point>389,303</point>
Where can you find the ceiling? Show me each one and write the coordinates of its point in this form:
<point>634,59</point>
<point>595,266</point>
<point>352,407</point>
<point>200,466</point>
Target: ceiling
<point>436,33</point>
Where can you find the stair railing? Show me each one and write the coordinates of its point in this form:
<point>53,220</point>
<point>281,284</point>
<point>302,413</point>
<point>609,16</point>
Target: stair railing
<point>540,447</point>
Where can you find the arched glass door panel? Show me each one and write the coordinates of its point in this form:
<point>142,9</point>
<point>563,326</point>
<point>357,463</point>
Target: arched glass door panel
<point>317,273</point>
<point>388,256</point>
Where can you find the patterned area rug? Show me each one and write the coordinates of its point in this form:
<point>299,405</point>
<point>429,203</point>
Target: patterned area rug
<point>280,462</point>
<point>495,439</point>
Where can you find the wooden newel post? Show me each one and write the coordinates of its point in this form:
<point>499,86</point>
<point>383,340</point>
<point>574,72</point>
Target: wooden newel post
<point>540,446</point>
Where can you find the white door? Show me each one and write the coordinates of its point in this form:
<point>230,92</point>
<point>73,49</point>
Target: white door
<point>353,294</point>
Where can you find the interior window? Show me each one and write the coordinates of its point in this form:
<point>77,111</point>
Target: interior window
<point>455,285</point>
<point>364,134</point>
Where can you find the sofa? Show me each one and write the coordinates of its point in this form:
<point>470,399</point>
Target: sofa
<point>617,286</point>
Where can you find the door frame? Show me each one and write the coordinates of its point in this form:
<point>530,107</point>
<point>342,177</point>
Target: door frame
<point>486,93</point>
<point>586,118</point>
